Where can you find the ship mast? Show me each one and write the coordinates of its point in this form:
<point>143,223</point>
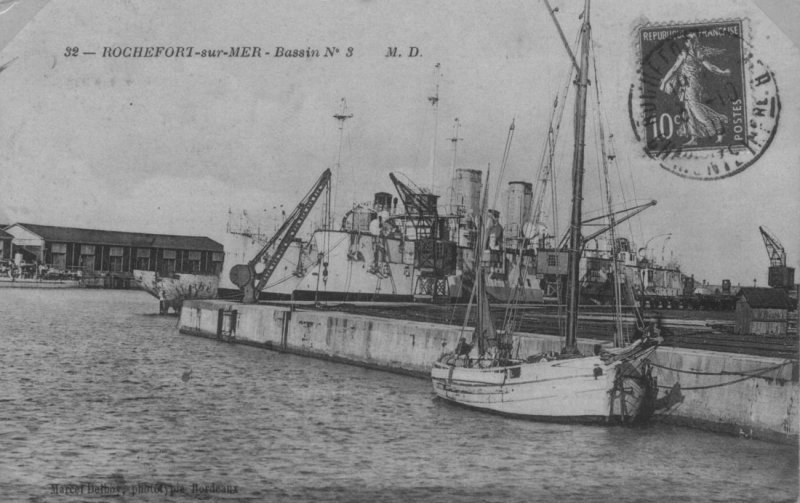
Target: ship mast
<point>575,236</point>
<point>341,117</point>
<point>454,140</point>
<point>435,103</point>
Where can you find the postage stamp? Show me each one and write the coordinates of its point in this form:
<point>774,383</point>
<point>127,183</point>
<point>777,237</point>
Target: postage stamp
<point>707,106</point>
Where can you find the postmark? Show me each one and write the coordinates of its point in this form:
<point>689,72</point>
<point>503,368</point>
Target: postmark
<point>707,107</point>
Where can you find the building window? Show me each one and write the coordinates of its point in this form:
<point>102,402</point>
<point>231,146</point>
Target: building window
<point>87,257</point>
<point>143,259</point>
<point>168,261</point>
<point>58,253</point>
<point>552,260</point>
<point>115,263</point>
<point>194,261</point>
<point>216,262</point>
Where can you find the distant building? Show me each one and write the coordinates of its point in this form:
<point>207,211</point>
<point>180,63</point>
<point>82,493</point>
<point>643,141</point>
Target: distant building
<point>113,253</point>
<point>723,289</point>
<point>762,311</point>
<point>5,245</point>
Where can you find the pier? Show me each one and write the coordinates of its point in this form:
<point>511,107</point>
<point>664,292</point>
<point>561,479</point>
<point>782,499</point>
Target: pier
<point>749,395</point>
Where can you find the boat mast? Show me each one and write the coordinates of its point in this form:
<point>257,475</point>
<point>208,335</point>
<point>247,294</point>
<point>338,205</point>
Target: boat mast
<point>484,314</point>
<point>575,237</point>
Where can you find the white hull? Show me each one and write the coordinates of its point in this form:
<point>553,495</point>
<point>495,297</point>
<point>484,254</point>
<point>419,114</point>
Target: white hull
<point>514,281</point>
<point>355,267</point>
<point>240,248</point>
<point>580,389</point>
<point>360,267</point>
<point>173,290</point>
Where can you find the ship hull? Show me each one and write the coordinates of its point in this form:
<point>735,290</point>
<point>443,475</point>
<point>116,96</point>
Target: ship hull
<point>512,278</point>
<point>583,389</point>
<point>174,289</point>
<point>318,296</point>
<point>361,267</point>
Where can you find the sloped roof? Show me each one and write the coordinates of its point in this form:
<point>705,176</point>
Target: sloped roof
<point>117,238</point>
<point>5,235</point>
<point>765,298</point>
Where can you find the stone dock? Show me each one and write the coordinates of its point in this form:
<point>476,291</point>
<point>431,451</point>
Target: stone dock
<point>751,396</point>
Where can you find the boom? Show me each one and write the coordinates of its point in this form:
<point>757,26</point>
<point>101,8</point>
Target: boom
<point>777,255</point>
<point>245,276</point>
<point>420,207</point>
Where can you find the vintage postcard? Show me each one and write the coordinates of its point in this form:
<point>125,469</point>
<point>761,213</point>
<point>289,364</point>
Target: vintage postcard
<point>384,250</point>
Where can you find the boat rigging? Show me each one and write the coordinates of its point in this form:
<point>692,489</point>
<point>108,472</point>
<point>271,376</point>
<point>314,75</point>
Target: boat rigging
<point>611,384</point>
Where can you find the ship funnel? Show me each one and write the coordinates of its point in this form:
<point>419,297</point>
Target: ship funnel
<point>465,198</point>
<point>518,209</point>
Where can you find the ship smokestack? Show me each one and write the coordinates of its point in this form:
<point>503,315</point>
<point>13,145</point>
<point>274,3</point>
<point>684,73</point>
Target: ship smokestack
<point>518,209</point>
<point>465,198</point>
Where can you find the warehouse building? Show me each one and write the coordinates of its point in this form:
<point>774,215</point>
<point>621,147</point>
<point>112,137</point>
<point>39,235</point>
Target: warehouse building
<point>762,311</point>
<point>111,255</point>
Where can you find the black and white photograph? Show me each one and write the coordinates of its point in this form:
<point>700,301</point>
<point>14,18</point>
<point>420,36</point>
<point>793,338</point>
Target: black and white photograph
<point>399,251</point>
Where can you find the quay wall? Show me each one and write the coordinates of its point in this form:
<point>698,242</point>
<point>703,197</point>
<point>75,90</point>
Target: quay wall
<point>745,395</point>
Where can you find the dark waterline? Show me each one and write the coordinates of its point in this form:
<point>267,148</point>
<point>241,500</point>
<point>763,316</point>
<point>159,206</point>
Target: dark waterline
<point>98,392</point>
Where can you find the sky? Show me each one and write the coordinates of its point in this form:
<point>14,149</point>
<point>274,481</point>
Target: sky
<point>169,145</point>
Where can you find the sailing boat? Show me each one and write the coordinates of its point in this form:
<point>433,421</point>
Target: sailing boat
<point>612,385</point>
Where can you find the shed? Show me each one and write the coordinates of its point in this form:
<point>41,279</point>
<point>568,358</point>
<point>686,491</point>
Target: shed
<point>762,311</point>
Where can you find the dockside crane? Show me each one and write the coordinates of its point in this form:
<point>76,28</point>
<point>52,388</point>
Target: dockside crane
<point>420,206</point>
<point>245,276</point>
<point>779,275</point>
<point>775,250</point>
<point>434,257</point>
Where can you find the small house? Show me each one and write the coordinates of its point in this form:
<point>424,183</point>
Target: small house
<point>762,311</point>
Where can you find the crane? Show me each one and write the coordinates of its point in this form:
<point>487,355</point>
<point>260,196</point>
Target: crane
<point>775,250</point>
<point>420,206</point>
<point>779,275</point>
<point>245,276</point>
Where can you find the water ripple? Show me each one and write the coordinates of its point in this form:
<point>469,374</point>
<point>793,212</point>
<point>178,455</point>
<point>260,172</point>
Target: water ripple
<point>100,394</point>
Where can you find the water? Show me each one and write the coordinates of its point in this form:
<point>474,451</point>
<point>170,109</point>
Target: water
<point>98,391</point>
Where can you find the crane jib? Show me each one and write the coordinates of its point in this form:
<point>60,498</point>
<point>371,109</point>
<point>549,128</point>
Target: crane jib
<point>245,276</point>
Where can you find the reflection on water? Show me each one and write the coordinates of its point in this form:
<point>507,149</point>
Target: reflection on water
<point>100,395</point>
